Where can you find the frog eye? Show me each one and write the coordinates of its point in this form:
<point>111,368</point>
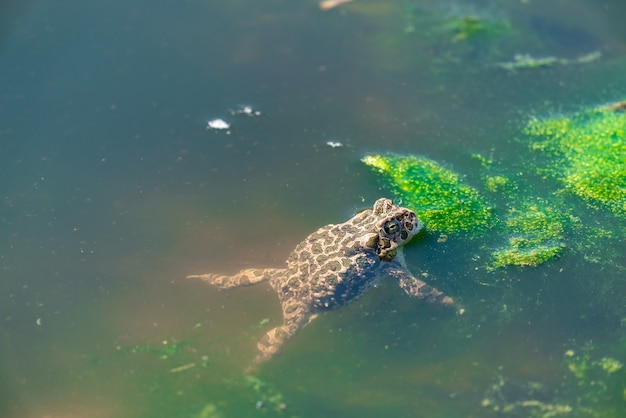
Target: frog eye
<point>391,227</point>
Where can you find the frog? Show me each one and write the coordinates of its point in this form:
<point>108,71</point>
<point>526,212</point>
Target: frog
<point>335,265</point>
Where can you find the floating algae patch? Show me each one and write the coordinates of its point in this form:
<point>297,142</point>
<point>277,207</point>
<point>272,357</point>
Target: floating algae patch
<point>527,399</point>
<point>531,230</point>
<point>497,183</point>
<point>536,233</point>
<point>590,153</point>
<point>254,397</point>
<point>534,228</point>
<point>591,385</point>
<point>472,25</point>
<point>526,61</point>
<point>442,200</point>
<point>453,24</point>
<point>166,350</point>
<point>269,397</point>
<point>595,381</point>
<point>179,352</point>
<point>210,411</point>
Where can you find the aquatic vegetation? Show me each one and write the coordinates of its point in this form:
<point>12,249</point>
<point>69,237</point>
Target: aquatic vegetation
<point>588,154</point>
<point>168,349</point>
<point>534,228</point>
<point>496,184</point>
<point>268,396</point>
<point>209,411</point>
<point>526,61</point>
<point>519,253</point>
<point>536,231</point>
<point>442,200</point>
<point>471,25</point>
<point>592,386</point>
<point>597,382</point>
<point>187,357</point>
<point>456,24</point>
<point>530,399</point>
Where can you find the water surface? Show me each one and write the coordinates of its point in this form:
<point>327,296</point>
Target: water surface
<point>113,190</point>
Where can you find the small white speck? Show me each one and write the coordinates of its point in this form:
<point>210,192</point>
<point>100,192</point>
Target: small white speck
<point>248,110</point>
<point>217,124</point>
<point>245,110</point>
<point>334,144</point>
<point>38,321</point>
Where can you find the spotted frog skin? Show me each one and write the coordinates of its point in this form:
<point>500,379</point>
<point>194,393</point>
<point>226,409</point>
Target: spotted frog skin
<point>335,265</point>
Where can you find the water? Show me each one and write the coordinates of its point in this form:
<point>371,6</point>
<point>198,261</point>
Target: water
<point>113,190</point>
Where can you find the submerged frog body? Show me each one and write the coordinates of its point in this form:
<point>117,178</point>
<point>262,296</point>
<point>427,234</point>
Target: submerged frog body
<point>335,265</point>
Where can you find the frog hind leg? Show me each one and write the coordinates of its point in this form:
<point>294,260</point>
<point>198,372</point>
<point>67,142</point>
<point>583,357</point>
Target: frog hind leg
<point>295,315</point>
<point>246,277</point>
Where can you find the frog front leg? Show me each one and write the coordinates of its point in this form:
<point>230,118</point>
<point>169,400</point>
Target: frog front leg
<point>419,289</point>
<point>415,287</point>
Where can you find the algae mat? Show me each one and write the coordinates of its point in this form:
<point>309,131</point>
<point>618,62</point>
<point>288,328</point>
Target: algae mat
<point>585,152</point>
<point>451,207</point>
<point>444,202</point>
<point>589,151</point>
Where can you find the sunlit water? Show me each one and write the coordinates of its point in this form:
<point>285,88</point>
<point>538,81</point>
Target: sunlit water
<point>113,190</point>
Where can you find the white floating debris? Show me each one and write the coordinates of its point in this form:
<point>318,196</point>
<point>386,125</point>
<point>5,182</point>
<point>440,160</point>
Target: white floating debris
<point>334,144</point>
<point>218,124</point>
<point>246,110</point>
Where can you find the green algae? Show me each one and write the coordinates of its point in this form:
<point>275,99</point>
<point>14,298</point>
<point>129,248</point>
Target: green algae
<point>530,399</point>
<point>610,365</point>
<point>256,397</point>
<point>496,184</point>
<point>595,381</point>
<point>536,233</point>
<point>520,253</point>
<point>268,396</point>
<point>592,385</point>
<point>453,25</point>
<point>472,25</point>
<point>179,352</point>
<point>526,61</point>
<point>442,200</point>
<point>534,228</point>
<point>209,411</point>
<point>167,350</point>
<point>588,155</point>
<point>494,180</point>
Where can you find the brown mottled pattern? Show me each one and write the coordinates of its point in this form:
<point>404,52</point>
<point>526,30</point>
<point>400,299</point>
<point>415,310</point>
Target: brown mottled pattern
<point>334,265</point>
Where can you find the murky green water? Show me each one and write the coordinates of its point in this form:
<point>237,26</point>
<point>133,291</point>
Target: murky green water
<point>113,190</point>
